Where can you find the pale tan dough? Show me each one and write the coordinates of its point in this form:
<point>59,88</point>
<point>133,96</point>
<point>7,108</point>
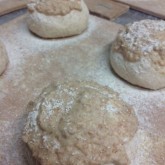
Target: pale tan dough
<point>57,18</point>
<point>147,148</point>
<point>79,123</point>
<point>3,58</point>
<point>138,54</point>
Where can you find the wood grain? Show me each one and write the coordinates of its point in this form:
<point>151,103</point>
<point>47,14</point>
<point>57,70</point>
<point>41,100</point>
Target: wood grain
<point>106,8</point>
<point>152,7</point>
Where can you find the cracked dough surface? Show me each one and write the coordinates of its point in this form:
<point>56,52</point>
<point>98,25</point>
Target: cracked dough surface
<point>57,19</point>
<point>3,58</point>
<point>138,54</point>
<point>80,123</point>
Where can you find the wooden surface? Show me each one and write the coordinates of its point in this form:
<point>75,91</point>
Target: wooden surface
<point>152,7</point>
<point>7,6</point>
<point>106,8</point>
<point>35,63</point>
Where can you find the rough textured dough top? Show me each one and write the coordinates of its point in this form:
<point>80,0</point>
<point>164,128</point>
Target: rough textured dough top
<point>143,38</point>
<point>62,21</point>
<point>3,58</point>
<point>55,7</point>
<point>79,123</point>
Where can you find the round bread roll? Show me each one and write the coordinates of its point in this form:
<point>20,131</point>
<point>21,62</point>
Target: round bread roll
<point>79,123</point>
<point>3,58</point>
<point>138,54</point>
<point>57,18</point>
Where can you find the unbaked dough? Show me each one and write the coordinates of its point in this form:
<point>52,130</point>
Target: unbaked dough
<point>79,123</point>
<point>138,54</point>
<point>57,18</point>
<point>3,58</point>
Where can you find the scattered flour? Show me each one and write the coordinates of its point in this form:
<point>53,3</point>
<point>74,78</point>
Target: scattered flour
<point>142,38</point>
<point>21,47</point>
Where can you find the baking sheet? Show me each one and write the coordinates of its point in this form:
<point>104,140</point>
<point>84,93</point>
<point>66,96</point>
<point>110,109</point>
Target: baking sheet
<point>35,63</point>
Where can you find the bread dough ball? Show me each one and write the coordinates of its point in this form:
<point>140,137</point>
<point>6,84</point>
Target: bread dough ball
<point>57,18</point>
<point>138,54</point>
<point>80,123</point>
<point>3,58</point>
